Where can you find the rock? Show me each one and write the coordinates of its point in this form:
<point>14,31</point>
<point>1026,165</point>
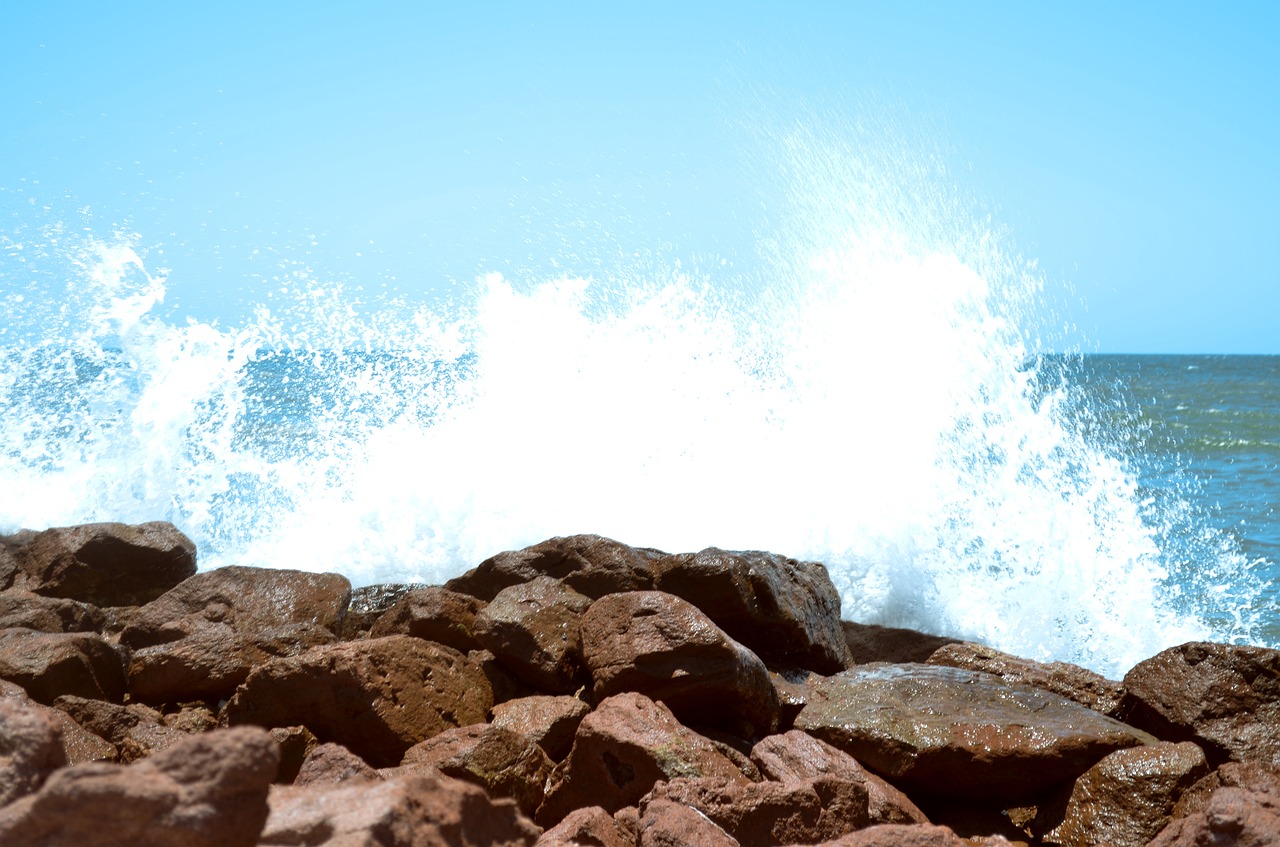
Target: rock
<point>1251,776</point>
<point>415,810</point>
<point>78,744</point>
<point>763,814</point>
<point>500,761</point>
<point>9,546</point>
<point>1062,678</point>
<point>377,697</point>
<point>590,826</point>
<point>669,824</point>
<point>548,721</point>
<point>588,564</point>
<point>792,688</point>
<point>48,664</point>
<point>135,730</point>
<point>869,643</point>
<point>330,764</point>
<point>622,748</point>
<point>906,835</point>
<point>950,732</point>
<point>435,614</point>
<point>1125,799</point>
<point>533,630</point>
<point>786,611</point>
<point>31,748</point>
<point>667,649</point>
<point>1234,816</point>
<point>1224,697</point>
<point>106,564</point>
<point>295,744</point>
<point>28,610</point>
<point>209,791</point>
<point>370,602</point>
<point>796,756</point>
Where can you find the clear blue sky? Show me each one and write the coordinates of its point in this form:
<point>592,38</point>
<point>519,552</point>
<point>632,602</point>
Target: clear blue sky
<point>1132,148</point>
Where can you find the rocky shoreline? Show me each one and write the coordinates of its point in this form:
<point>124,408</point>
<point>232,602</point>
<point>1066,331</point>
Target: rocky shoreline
<point>582,691</point>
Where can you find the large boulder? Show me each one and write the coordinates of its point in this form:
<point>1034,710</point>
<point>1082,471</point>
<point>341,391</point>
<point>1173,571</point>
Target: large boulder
<point>786,611</point>
<point>49,664</point>
<point>500,761</point>
<point>435,614</point>
<point>589,564</point>
<point>330,764</point>
<point>210,791</point>
<point>948,732</point>
<point>377,697</point>
<point>590,826</point>
<point>28,610</point>
<point>30,748</point>
<point>547,720</point>
<point>667,649</point>
<point>1224,697</point>
<point>533,629</point>
<point>106,564</point>
<point>1062,678</point>
<point>667,823</point>
<point>1238,817</point>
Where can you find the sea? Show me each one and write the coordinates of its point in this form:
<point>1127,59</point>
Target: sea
<point>881,391</point>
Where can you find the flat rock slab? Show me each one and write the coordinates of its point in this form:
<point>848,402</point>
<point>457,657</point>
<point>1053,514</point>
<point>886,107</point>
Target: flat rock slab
<point>945,731</point>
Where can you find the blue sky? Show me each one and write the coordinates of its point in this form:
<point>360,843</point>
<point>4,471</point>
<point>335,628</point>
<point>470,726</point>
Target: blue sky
<point>1131,150</point>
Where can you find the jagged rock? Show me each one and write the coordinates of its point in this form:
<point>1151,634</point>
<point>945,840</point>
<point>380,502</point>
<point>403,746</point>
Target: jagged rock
<point>621,749</point>
<point>78,744</point>
<point>909,835</point>
<point>28,610</point>
<point>945,731</point>
<point>377,697</point>
<point>786,611</point>
<point>106,564</point>
<point>1062,678</point>
<point>796,756</point>
<point>1224,697</point>
<point>370,602</point>
<point>1125,799</point>
<point>667,649</point>
<point>9,545</point>
<point>295,744</point>
<point>533,629</point>
<point>435,614</point>
<point>589,564</point>
<point>414,810</point>
<point>870,643</point>
<point>1237,817</point>
<point>209,791</point>
<point>330,764</point>
<point>665,823</point>
<point>547,720</point>
<point>1251,776</point>
<point>500,761</point>
<point>31,748</point>
<point>590,826</point>
<point>135,730</point>
<point>48,664</point>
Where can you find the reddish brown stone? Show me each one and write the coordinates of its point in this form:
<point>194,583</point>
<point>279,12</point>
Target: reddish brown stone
<point>500,761</point>
<point>533,630</point>
<point>330,764</point>
<point>786,611</point>
<point>106,564</point>
<point>548,721</point>
<point>589,564</point>
<point>1251,776</point>
<point>667,649</point>
<point>869,643</point>
<point>435,614</point>
<point>669,824</point>
<point>49,664</point>
<point>377,697</point>
<point>135,730</point>
<point>1062,678</point>
<point>590,826</point>
<point>295,744</point>
<point>78,744</point>
<point>31,748</point>
<point>1234,816</point>
<point>1226,698</point>
<point>906,835</point>
<point>28,610</point>
<point>370,602</point>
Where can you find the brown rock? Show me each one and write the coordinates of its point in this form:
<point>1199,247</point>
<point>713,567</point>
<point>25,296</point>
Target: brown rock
<point>1224,697</point>
<point>416,810</point>
<point>786,611</point>
<point>949,732</point>
<point>106,564</point>
<point>135,730</point>
<point>792,687</point>
<point>78,744</point>
<point>548,721</point>
<point>1251,776</point>
<point>377,697</point>
<point>28,610</point>
<point>669,824</point>
<point>9,545</point>
<point>667,649</point>
<point>622,748</point>
<point>796,756</point>
<point>533,630</point>
<point>1234,816</point>
<point>590,826</point>
<point>295,744</point>
<point>906,835</point>
<point>869,643</point>
<point>30,748</point>
<point>435,614</point>
<point>209,791</point>
<point>370,602</point>
<point>588,564</point>
<point>330,764</point>
<point>764,814</point>
<point>500,761</point>
<point>48,664</point>
<point>1066,680</point>
<point>1125,799</point>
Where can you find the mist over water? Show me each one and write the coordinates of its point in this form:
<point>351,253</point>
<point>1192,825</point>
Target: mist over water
<point>866,395</point>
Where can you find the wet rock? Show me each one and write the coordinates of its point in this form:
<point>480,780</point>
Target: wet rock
<point>1234,816</point>
<point>621,749</point>
<point>589,564</point>
<point>435,614</point>
<point>78,744</point>
<point>106,564</point>
<point>1251,776</point>
<point>48,664</point>
<point>945,731</point>
<point>667,649</point>
<point>1125,799</point>
<point>136,731</point>
<point>533,629</point>
<point>500,761</point>
<point>210,791</point>
<point>869,643</point>
<point>417,810</point>
<point>786,611</point>
<point>548,721</point>
<point>590,826</point>
<point>370,602</point>
<point>792,688</point>
<point>1226,698</point>
<point>31,748</point>
<point>28,610</point>
<point>1062,678</point>
<point>796,756</point>
<point>666,823</point>
<point>330,764</point>
<point>9,545</point>
<point>377,697</point>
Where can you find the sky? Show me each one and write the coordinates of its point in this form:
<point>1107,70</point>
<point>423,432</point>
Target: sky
<point>1130,149</point>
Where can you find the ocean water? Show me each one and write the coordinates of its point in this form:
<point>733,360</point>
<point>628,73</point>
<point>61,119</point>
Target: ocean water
<point>879,392</point>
